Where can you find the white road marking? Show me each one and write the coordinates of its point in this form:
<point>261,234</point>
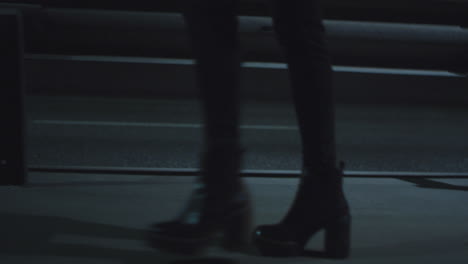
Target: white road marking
<point>144,124</point>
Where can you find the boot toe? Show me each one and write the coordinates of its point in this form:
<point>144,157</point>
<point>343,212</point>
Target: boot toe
<point>272,232</point>
<point>276,241</point>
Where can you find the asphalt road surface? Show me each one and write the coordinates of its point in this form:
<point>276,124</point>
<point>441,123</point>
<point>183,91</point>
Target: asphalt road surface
<point>166,133</point>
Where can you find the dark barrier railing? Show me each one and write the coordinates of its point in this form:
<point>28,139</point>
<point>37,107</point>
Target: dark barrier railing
<point>163,35</point>
<point>57,27</point>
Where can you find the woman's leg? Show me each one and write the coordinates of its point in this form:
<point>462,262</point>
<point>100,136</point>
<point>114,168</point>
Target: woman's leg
<point>220,202</point>
<point>300,32</point>
<point>212,27</point>
<point>319,202</point>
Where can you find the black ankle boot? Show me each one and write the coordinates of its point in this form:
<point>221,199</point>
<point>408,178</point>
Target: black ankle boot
<point>220,203</point>
<point>319,204</point>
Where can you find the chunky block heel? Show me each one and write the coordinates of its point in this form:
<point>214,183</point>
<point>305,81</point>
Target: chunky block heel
<point>338,238</point>
<point>279,241</point>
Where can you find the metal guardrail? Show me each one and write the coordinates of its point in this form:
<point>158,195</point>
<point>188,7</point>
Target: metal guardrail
<point>163,35</point>
<point>70,28</point>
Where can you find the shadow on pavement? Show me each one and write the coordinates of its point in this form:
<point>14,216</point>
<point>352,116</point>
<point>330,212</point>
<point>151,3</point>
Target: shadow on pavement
<point>431,184</point>
<point>32,235</point>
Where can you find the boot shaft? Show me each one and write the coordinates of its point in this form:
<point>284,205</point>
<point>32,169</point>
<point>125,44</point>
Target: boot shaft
<point>319,197</point>
<point>220,170</point>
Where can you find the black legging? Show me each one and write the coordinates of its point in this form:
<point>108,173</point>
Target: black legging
<point>213,25</point>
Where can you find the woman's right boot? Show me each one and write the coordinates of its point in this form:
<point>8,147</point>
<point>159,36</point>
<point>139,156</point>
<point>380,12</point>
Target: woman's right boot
<point>220,203</point>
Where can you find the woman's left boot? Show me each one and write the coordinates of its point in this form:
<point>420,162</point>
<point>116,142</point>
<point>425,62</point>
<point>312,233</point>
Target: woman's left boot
<point>319,204</point>
<point>220,203</point>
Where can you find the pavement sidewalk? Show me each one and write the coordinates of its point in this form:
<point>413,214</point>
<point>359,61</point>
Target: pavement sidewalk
<point>89,218</point>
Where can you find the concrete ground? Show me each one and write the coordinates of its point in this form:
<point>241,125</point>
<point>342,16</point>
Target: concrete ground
<point>71,218</point>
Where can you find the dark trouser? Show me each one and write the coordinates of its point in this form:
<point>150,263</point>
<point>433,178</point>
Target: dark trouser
<point>212,25</point>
